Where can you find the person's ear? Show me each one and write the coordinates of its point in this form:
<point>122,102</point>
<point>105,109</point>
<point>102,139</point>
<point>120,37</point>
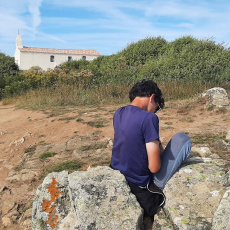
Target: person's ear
<point>152,98</point>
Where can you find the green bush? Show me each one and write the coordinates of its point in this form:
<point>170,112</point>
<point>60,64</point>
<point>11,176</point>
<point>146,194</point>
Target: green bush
<point>8,68</point>
<point>183,62</point>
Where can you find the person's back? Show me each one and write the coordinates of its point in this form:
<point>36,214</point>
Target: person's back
<point>133,127</point>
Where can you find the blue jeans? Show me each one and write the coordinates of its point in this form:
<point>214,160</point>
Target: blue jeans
<point>175,153</point>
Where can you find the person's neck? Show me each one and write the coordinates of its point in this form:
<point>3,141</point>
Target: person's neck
<point>141,102</point>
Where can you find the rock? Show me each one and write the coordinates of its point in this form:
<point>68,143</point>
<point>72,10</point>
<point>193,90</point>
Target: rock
<point>6,221</point>
<point>95,199</point>
<point>76,154</point>
<point>193,195</point>
<point>202,151</point>
<point>7,206</point>
<point>228,135</point>
<point>216,97</point>
<point>18,142</point>
<point>41,149</point>
<point>110,144</point>
<point>99,198</point>
<point>24,175</point>
<point>57,148</point>
<point>221,217</point>
<point>26,217</point>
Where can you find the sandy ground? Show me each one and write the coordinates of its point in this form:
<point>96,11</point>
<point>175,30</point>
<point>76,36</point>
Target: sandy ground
<point>65,134</point>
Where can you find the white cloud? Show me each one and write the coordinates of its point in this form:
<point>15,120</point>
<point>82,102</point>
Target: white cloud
<point>33,8</point>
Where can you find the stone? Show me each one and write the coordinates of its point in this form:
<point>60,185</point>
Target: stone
<point>216,97</point>
<point>18,142</point>
<point>95,199</point>
<point>100,198</point>
<point>193,195</point>
<point>228,135</point>
<point>221,217</point>
<point>76,154</point>
<point>24,175</point>
<point>41,149</point>
<point>6,221</point>
<point>57,148</point>
<point>202,151</point>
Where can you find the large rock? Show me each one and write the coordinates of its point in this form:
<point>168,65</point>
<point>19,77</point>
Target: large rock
<point>100,199</point>
<point>216,97</point>
<point>221,218</point>
<point>96,199</point>
<point>193,196</point>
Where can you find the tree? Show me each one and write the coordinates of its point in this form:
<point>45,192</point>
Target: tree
<point>7,68</point>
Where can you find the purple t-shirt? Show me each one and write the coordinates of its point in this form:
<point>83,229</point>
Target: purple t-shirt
<point>133,128</point>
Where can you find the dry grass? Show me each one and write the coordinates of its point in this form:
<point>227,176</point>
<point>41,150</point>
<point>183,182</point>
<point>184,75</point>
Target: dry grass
<point>178,94</point>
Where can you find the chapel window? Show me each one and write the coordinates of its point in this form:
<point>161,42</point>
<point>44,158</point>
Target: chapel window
<point>83,57</point>
<point>51,58</point>
<point>69,58</point>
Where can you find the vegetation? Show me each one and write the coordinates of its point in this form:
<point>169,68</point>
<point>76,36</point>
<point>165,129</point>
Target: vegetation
<point>8,69</point>
<point>67,165</point>
<point>100,145</point>
<point>47,155</point>
<point>182,68</point>
<point>30,151</point>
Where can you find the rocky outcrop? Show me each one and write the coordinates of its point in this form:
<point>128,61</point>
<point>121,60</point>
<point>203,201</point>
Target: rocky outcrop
<point>216,97</point>
<point>193,195</point>
<point>221,217</point>
<point>100,199</point>
<point>95,199</point>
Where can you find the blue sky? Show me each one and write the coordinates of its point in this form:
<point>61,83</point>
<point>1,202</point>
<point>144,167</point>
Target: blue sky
<point>108,26</point>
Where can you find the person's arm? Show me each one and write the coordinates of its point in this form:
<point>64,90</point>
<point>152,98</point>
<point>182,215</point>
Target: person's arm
<point>154,151</point>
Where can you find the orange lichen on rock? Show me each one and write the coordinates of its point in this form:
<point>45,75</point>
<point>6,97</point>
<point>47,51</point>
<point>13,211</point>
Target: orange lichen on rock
<point>50,208</point>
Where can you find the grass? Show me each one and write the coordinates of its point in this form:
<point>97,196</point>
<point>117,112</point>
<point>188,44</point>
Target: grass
<point>80,120</point>
<point>69,95</point>
<point>99,145</point>
<point>67,118</point>
<point>187,119</point>
<point>96,133</point>
<point>210,108</point>
<point>69,166</point>
<point>168,123</point>
<point>53,100</point>
<point>100,162</point>
<point>20,165</point>
<point>206,138</point>
<point>97,123</point>
<point>221,110</point>
<point>30,151</point>
<point>47,155</point>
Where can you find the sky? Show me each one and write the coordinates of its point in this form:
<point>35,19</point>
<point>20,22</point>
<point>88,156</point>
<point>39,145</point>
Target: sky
<point>108,26</point>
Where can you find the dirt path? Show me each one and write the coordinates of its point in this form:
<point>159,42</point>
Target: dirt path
<point>83,134</point>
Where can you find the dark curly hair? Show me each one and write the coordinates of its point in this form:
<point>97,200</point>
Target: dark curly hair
<point>146,88</point>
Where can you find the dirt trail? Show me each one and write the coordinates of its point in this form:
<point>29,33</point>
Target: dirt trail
<point>25,135</point>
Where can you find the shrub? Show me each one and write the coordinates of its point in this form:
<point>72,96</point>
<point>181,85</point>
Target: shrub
<point>175,65</point>
<point>8,68</point>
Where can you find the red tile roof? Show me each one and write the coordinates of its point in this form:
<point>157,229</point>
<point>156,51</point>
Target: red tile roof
<point>58,51</point>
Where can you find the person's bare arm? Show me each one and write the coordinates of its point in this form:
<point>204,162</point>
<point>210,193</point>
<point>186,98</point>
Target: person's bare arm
<point>154,152</point>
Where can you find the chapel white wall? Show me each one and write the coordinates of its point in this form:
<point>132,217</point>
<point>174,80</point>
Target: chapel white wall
<point>28,60</point>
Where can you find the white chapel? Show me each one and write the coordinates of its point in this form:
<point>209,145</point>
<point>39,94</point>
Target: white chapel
<point>27,57</point>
